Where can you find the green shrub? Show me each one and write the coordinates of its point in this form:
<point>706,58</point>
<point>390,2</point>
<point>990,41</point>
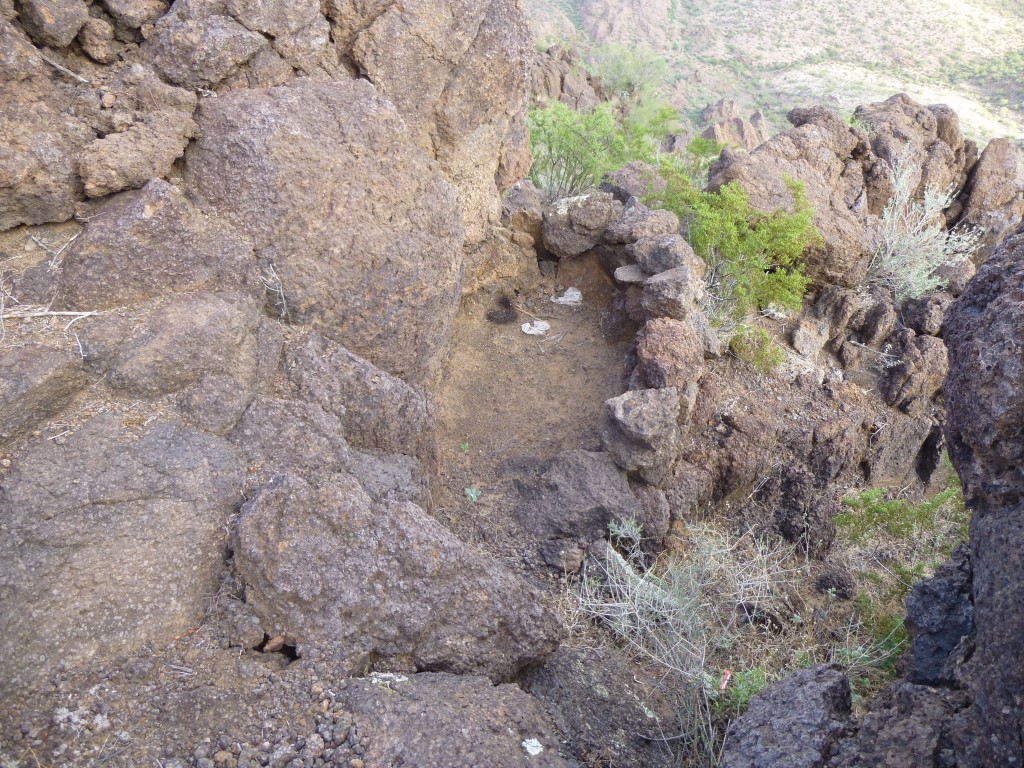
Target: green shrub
<point>732,699</point>
<point>754,345</point>
<point>873,511</point>
<point>754,260</point>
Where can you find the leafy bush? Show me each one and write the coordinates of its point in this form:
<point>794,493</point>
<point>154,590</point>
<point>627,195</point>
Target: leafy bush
<point>913,243</point>
<point>754,260</point>
<point>628,73</point>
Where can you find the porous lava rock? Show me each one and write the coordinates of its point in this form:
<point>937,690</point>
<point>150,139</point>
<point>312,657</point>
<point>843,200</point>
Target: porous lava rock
<point>112,540</point>
<point>452,721</point>
<point>376,265</point>
<point>362,582</point>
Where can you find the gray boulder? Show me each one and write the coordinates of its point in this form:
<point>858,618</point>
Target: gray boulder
<point>795,723</point>
<point>642,431</point>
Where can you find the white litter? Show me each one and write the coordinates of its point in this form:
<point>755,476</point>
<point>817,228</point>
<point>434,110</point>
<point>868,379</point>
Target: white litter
<point>572,297</point>
<point>536,328</point>
<point>533,747</point>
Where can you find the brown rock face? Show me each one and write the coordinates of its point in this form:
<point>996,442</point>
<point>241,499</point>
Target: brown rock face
<point>995,202</point>
<point>374,264</point>
<point>724,124</point>
<point>985,401</point>
<point>455,71</point>
<point>362,581</point>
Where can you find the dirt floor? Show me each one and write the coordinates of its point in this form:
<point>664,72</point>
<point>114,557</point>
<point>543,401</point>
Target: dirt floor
<point>510,396</point>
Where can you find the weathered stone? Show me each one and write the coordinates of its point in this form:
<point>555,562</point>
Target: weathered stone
<point>53,22</point>
<point>986,408</point>
<point>578,494</point>
<point>724,124</point>
<point>387,249</point>
<point>669,353</point>
<point>300,33</point>
<point>661,253</point>
<point>925,315</point>
<point>638,222</point>
<point>809,336</point>
<point>575,225</point>
<point>143,244</point>
<point>938,153</point>
<point>128,529</point>
<point>794,723</point>
<point>136,13</point>
<point>363,582</point>
<point>36,383</point>
<point>200,53</point>
<point>642,432</point>
<point>675,294</point>
<point>633,180</point>
<point>97,39</point>
<point>380,412</point>
<point>630,274</point>
<point>187,338</point>
<point>470,722</point>
<point>610,709</point>
<point>923,364</point>
<point>940,615</point>
<point>40,141</point>
<point>129,159</point>
<point>995,202</point>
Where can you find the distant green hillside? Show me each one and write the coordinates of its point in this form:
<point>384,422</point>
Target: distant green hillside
<point>777,54</point>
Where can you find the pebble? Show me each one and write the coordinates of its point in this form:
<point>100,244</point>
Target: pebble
<point>355,762</point>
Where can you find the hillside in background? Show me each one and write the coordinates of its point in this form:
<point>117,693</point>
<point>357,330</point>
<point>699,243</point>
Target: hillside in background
<point>774,54</point>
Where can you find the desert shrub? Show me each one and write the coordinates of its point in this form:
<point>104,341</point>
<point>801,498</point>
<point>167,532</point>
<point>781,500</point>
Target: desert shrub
<point>754,260</point>
<point>573,150</point>
<point>913,243</point>
<point>628,73</point>
<point>693,616</point>
<point>755,345</point>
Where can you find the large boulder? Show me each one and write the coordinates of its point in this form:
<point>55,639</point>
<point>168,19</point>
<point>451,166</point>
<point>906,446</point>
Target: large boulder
<point>364,583</point>
<point>795,723</point>
<point>995,195</point>
<point>111,540</point>
<point>376,264</point>
<point>200,53</point>
<point>835,163</point>
<point>985,402</point>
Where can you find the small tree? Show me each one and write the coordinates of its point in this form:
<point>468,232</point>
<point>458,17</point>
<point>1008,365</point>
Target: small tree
<point>913,243</point>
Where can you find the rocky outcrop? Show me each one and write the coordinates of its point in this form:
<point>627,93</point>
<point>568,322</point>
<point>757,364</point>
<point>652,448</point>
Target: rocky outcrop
<point>36,383</point>
<point>360,582</point>
<point>985,403</point>
<point>558,74</point>
<point>343,254</point>
<point>723,123</point>
<point>112,540</point>
<point>995,195</point>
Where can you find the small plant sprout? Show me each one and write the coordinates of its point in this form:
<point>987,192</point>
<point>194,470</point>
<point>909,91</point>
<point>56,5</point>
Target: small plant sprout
<point>464,447</point>
<point>473,494</point>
